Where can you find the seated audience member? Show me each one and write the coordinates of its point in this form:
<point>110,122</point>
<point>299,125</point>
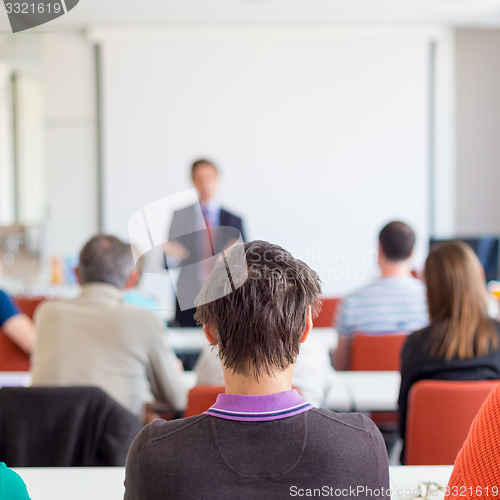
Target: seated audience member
<point>313,375</point>
<point>98,339</point>
<point>16,325</point>
<point>477,468</point>
<point>394,302</point>
<point>462,341</point>
<point>134,295</point>
<point>260,439</point>
<point>12,487</point>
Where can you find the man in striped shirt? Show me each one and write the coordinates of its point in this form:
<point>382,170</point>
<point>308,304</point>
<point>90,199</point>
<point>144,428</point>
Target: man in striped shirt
<point>394,302</point>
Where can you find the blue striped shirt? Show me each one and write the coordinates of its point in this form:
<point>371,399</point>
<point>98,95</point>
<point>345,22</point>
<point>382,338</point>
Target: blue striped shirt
<point>393,304</point>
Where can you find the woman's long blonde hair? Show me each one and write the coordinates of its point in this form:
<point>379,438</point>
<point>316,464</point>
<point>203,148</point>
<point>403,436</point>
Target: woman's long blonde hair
<point>457,302</point>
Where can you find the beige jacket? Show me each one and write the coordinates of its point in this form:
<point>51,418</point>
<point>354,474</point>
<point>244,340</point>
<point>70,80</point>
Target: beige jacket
<point>98,339</point>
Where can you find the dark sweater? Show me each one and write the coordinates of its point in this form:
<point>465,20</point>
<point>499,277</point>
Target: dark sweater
<point>205,457</point>
<point>417,364</point>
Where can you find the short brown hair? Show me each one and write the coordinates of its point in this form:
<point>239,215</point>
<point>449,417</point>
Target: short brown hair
<point>258,326</point>
<point>456,297</point>
<point>200,162</point>
<point>397,240</point>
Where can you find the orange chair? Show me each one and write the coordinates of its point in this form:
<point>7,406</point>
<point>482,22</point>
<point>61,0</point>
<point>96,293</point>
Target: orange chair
<point>28,305</point>
<point>201,398</point>
<point>327,316</point>
<point>440,413</point>
<point>12,357</point>
<point>371,352</point>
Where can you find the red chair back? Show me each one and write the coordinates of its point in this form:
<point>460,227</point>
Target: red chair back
<point>440,413</point>
<point>12,357</point>
<point>28,305</point>
<point>201,398</point>
<point>327,316</point>
<point>374,352</point>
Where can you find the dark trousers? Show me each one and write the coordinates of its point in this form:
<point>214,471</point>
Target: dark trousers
<point>184,319</point>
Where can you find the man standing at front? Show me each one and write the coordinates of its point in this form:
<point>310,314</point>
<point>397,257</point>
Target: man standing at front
<point>260,439</point>
<point>189,246</point>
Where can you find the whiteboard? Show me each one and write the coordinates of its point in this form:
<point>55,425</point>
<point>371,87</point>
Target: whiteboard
<point>321,139</point>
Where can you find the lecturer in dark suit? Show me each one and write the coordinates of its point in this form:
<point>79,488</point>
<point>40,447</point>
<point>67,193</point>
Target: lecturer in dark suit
<point>196,235</point>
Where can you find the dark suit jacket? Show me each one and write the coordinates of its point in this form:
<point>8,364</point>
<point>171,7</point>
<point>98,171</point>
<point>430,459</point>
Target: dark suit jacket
<point>188,230</point>
<point>63,427</point>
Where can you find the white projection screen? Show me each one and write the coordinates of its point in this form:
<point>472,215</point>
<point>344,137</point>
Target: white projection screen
<point>321,138</point>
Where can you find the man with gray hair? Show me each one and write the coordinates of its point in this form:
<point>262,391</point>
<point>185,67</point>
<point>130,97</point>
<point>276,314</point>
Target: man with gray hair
<point>98,339</point>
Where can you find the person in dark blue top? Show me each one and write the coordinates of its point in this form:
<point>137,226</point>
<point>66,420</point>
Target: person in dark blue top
<point>16,325</point>
<point>7,308</point>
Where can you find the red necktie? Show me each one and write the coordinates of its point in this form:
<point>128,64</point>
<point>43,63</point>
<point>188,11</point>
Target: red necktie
<point>208,247</point>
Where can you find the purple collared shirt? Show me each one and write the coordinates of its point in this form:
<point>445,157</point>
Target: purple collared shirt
<point>258,408</point>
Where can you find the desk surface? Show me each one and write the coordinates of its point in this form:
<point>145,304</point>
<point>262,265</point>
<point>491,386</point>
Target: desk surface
<point>350,391</point>
<point>339,396</point>
<point>405,480</point>
<point>15,379</point>
<point>372,391</point>
<point>106,483</point>
<point>193,340</point>
<point>75,483</point>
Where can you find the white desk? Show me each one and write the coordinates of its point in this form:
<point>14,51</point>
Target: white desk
<point>106,483</point>
<point>74,483</point>
<point>339,397</point>
<point>192,340</point>
<point>15,379</point>
<point>189,378</point>
<point>187,340</point>
<point>405,480</point>
<point>350,391</point>
<point>372,391</point>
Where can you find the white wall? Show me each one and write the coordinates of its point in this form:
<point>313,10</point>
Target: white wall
<point>478,131</point>
<point>7,187</point>
<point>31,175</point>
<point>321,136</point>
<point>19,54</point>
<point>444,192</point>
<point>69,76</point>
<point>241,139</point>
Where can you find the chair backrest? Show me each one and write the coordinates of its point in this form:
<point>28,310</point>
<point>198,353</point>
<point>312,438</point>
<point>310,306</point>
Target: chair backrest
<point>201,398</point>
<point>374,352</point>
<point>327,316</point>
<point>63,427</point>
<point>12,357</point>
<point>28,305</point>
<point>440,413</point>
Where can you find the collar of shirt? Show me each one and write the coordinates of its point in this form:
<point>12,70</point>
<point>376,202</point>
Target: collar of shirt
<point>212,209</point>
<point>102,291</point>
<point>258,408</point>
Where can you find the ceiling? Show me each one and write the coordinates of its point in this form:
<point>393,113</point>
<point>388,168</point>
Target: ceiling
<point>157,13</point>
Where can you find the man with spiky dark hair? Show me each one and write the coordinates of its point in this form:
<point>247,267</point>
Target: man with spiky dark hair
<point>260,439</point>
